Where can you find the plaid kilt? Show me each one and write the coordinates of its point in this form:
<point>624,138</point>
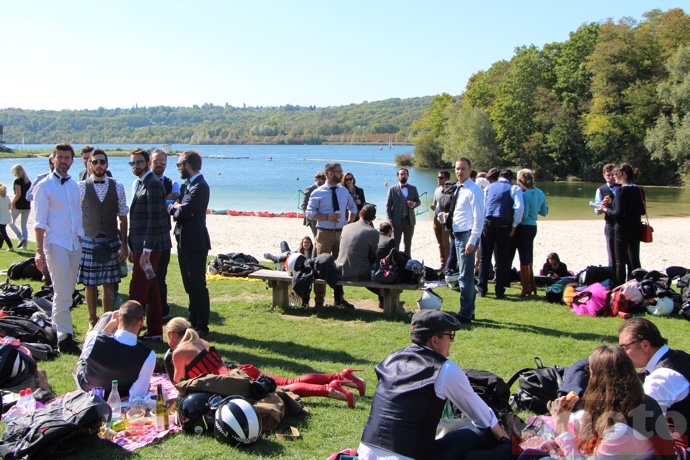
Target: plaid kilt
<point>92,273</point>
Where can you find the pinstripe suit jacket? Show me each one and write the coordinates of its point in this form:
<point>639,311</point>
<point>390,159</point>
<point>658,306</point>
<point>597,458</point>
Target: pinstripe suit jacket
<point>149,225</point>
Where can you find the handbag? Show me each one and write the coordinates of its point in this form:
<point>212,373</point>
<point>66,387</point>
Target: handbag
<point>386,273</point>
<point>646,230</point>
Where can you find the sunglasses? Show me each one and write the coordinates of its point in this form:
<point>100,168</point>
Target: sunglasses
<point>450,334</point>
<point>99,162</point>
<point>349,178</point>
<point>138,163</point>
<point>180,164</point>
<point>440,177</point>
<point>159,162</point>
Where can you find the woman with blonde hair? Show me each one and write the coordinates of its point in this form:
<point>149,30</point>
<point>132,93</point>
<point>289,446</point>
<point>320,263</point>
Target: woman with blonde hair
<point>190,356</point>
<point>526,231</point>
<point>20,205</point>
<point>5,217</point>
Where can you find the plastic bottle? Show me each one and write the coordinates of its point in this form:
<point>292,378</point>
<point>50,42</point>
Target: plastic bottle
<point>115,403</point>
<point>30,402</point>
<point>21,403</point>
<point>162,422</point>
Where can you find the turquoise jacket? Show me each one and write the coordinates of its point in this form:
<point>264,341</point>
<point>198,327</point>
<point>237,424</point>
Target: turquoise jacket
<point>535,203</point>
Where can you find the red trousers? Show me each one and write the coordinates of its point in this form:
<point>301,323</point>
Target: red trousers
<point>147,292</point>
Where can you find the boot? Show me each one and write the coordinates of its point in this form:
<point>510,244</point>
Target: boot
<point>333,390</point>
<point>533,282</point>
<point>525,281</point>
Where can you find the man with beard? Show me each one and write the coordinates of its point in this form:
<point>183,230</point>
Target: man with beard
<point>58,227</point>
<point>327,207</point>
<point>159,159</point>
<point>86,153</point>
<point>103,203</point>
<point>400,203</point>
<point>149,236</point>
<point>193,242</point>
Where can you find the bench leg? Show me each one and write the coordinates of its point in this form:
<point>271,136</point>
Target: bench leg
<point>391,302</point>
<point>280,293</point>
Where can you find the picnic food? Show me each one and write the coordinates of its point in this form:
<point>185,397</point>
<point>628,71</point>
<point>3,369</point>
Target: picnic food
<point>571,399</point>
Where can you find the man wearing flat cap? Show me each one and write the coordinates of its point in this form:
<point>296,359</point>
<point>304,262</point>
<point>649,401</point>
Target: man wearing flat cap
<point>414,384</point>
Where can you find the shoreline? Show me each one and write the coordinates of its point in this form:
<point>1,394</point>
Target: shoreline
<point>579,243</point>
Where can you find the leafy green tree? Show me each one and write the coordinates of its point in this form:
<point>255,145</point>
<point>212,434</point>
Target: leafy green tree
<point>469,133</point>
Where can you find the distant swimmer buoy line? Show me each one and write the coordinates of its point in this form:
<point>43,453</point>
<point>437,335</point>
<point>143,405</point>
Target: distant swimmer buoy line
<point>230,212</point>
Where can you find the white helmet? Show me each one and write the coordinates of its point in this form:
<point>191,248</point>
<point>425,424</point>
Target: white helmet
<point>294,263</point>
<point>237,422</point>
<point>429,300</point>
<point>663,307</point>
<point>452,280</point>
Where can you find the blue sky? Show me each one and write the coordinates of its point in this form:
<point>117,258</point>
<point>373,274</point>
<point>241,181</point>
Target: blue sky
<point>85,54</point>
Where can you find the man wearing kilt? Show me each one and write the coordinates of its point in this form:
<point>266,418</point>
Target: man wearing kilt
<point>103,204</point>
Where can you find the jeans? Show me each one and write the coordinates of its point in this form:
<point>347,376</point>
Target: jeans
<point>466,269</point>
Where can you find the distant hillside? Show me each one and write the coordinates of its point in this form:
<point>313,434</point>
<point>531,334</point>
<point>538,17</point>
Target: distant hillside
<point>211,124</point>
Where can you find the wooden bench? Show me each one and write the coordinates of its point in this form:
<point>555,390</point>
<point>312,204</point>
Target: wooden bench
<point>281,283</point>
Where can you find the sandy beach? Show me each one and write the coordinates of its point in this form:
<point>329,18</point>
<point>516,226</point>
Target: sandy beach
<point>579,243</point>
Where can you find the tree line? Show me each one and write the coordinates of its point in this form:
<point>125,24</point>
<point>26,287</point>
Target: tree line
<point>613,92</point>
<point>214,124</point>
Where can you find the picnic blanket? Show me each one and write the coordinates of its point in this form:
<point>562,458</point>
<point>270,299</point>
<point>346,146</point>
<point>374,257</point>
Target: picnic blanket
<point>150,435</point>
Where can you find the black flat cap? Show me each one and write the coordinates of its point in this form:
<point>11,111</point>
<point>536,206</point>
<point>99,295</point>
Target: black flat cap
<point>433,321</point>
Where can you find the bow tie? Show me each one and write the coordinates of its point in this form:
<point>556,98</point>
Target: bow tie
<point>62,179</point>
<point>403,185</point>
<point>99,182</point>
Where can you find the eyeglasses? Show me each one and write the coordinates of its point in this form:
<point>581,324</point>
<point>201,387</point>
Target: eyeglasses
<point>625,346</point>
<point>138,163</point>
<point>159,162</point>
<point>99,161</point>
<point>450,334</point>
<point>440,177</point>
<point>180,164</point>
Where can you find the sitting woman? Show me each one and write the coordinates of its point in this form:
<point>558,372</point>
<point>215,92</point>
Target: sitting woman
<point>189,357</point>
<point>306,248</point>
<point>617,420</point>
<point>554,267</point>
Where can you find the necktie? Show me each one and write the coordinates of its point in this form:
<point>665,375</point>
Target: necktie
<point>139,182</point>
<point>99,182</point>
<point>403,186</point>
<point>336,205</point>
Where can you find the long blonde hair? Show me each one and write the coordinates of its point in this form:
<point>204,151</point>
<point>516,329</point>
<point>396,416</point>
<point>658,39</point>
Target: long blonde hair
<point>19,172</point>
<point>183,328</point>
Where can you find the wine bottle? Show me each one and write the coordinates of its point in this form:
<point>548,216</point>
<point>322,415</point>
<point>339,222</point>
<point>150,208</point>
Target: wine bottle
<point>162,423</point>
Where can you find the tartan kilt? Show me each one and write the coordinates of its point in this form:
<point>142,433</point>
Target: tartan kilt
<point>92,273</point>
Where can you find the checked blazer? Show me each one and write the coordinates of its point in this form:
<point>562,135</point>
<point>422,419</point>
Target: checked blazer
<point>149,228</point>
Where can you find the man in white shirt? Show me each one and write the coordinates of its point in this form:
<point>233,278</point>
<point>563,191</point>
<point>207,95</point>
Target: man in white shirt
<point>58,227</point>
<point>467,215</point>
<point>113,353</point>
<point>665,372</point>
<point>414,384</point>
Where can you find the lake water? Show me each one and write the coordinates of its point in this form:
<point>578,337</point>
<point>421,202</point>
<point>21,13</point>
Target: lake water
<point>244,179</point>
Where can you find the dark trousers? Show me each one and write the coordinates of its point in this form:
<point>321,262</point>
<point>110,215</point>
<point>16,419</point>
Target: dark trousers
<point>146,292</point>
<point>452,263</point>
<point>610,234</point>
<point>4,237</point>
<point>627,252</point>
<point>479,441</point>
<point>161,274</point>
<point>441,234</point>
<point>193,270</point>
<point>524,243</point>
<point>406,231</point>
<point>495,237</point>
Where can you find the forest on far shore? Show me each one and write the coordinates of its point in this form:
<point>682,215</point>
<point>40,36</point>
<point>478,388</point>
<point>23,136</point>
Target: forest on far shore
<point>617,91</point>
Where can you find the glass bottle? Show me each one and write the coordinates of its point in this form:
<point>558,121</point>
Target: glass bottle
<point>162,422</point>
<point>115,403</point>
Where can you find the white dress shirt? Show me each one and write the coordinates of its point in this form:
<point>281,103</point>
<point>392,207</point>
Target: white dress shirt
<point>141,386</point>
<point>469,210</point>
<point>665,385</point>
<point>58,212</point>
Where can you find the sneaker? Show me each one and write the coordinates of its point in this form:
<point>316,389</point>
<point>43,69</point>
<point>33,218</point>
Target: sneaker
<point>271,257</point>
<point>22,242</point>
<point>10,249</point>
<point>69,347</point>
<point>151,337</point>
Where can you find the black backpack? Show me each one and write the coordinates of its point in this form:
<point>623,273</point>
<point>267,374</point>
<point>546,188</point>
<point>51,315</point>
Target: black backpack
<point>12,295</point>
<point>57,428</point>
<point>24,269</point>
<point>26,330</point>
<point>491,388</point>
<point>15,366</point>
<point>537,387</point>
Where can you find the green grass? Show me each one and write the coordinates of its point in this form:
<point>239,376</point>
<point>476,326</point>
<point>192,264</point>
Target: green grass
<point>506,336</point>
